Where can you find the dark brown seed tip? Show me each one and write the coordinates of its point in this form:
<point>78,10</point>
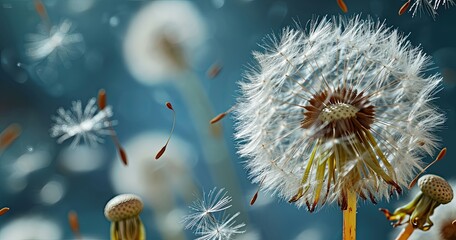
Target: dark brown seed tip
<point>404,8</point>
<point>254,198</point>
<point>160,153</point>
<point>342,6</point>
<point>73,221</point>
<point>123,156</point>
<point>168,105</point>
<point>4,210</point>
<point>9,135</point>
<point>218,118</point>
<point>101,99</point>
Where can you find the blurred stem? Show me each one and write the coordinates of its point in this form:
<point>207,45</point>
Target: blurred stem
<point>211,137</point>
<point>406,232</point>
<point>349,227</point>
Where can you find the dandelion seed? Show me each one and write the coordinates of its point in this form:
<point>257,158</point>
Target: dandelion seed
<point>340,108</point>
<point>430,6</point>
<point>208,220</point>
<point>4,210</point>
<point>61,42</point>
<point>86,124</point>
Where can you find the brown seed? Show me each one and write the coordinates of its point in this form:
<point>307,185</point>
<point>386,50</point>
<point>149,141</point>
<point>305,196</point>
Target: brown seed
<point>4,210</point>
<point>404,8</point>
<point>342,6</point>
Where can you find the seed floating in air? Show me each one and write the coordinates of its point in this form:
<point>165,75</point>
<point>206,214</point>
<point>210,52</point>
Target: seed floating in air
<point>4,210</point>
<point>404,8</point>
<point>221,115</point>
<point>74,224</point>
<point>342,6</point>
<point>163,149</point>
<point>102,102</point>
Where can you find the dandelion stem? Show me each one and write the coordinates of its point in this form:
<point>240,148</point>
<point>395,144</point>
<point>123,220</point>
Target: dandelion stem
<point>406,232</point>
<point>349,228</point>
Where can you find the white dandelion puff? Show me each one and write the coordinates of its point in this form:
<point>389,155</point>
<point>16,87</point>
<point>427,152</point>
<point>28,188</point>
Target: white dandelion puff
<point>341,107</point>
<point>86,124</point>
<point>61,42</point>
<point>208,219</point>
<point>429,6</point>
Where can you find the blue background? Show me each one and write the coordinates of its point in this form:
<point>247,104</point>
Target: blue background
<point>235,30</point>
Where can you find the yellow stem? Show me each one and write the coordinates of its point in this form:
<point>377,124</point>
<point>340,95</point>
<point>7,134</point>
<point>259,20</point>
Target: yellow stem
<point>349,230</point>
<point>406,232</point>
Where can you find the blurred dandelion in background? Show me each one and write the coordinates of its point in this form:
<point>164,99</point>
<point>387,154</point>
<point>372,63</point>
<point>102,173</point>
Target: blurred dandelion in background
<point>208,220</point>
<point>162,39</point>
<point>60,43</point>
<point>86,124</point>
<point>37,227</point>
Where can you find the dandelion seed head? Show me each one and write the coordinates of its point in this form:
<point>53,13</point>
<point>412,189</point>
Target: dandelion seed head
<point>341,105</point>
<point>89,124</point>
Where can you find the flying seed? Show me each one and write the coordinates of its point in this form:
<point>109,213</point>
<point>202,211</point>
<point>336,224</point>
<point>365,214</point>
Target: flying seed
<point>4,210</point>
<point>163,149</point>
<point>342,6</point>
<point>214,70</point>
<point>102,102</point>
<point>404,8</point>
<point>8,135</point>
<point>74,224</point>
<point>101,99</point>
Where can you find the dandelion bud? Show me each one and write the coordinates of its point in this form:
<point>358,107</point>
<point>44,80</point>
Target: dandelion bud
<point>434,192</point>
<point>123,212</point>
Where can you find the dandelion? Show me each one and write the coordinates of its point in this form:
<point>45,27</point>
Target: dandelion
<point>86,124</point>
<point>123,212</point>
<point>162,39</point>
<point>434,192</point>
<point>208,219</point>
<point>61,42</point>
<point>335,112</point>
<point>429,6</point>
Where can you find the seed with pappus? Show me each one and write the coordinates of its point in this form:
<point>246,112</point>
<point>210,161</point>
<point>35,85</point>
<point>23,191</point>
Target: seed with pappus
<point>429,6</point>
<point>208,219</point>
<point>88,123</point>
<point>340,107</point>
